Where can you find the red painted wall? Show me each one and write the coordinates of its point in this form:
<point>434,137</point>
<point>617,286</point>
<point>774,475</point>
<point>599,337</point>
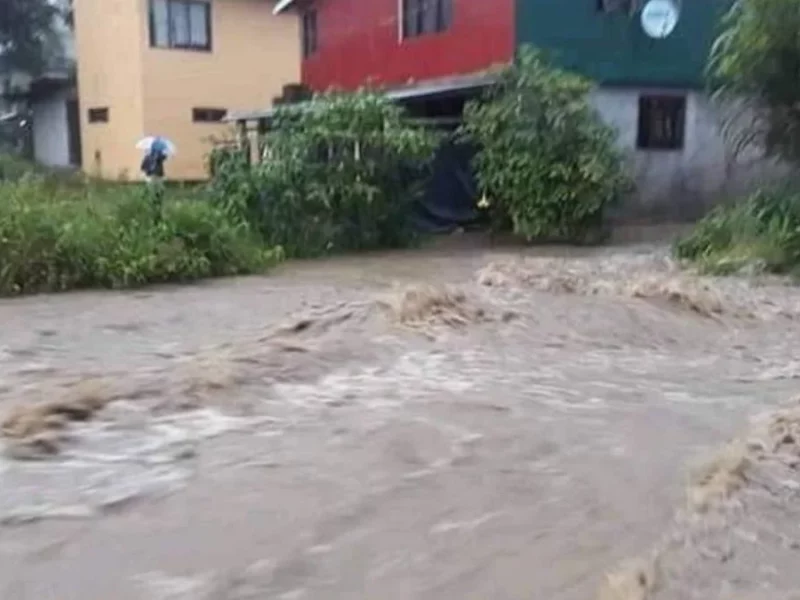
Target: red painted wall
<point>359,41</point>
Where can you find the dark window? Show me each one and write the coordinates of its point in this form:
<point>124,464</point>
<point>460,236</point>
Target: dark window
<point>98,115</point>
<point>74,132</point>
<point>662,122</point>
<point>310,40</point>
<point>421,17</point>
<point>182,24</point>
<point>208,115</point>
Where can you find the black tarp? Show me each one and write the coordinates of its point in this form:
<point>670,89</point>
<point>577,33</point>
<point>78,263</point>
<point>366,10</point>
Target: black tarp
<point>449,199</point>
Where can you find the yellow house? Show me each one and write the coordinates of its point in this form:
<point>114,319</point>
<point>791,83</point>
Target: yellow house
<point>174,68</point>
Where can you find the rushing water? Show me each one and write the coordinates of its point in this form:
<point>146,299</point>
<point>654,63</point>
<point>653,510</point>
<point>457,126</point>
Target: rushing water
<point>507,458</point>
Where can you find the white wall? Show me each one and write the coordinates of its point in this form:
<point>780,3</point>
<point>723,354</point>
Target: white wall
<point>50,131</point>
<point>682,183</point>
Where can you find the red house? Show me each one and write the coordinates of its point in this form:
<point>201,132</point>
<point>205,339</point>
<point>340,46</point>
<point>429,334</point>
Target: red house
<point>431,56</point>
<point>349,43</point>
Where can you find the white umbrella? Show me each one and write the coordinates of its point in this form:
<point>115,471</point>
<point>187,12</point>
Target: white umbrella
<point>147,143</point>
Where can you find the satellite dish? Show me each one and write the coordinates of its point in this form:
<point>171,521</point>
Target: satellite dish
<point>659,18</point>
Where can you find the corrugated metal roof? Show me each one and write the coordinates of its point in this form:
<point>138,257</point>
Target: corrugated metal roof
<point>445,85</point>
<point>428,88</point>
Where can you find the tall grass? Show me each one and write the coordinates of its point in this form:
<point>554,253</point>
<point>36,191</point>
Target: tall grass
<point>762,231</point>
<point>59,237</point>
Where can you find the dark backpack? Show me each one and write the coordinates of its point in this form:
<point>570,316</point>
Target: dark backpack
<point>153,164</point>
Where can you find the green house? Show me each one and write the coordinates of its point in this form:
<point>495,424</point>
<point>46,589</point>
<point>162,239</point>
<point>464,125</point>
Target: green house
<point>650,72</point>
<point>605,40</point>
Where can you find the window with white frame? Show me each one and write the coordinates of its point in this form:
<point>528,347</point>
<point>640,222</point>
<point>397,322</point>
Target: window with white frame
<point>424,17</point>
<point>184,24</point>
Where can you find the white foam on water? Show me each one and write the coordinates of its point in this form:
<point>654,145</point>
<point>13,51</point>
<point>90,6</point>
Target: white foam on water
<point>790,370</point>
<point>110,465</point>
<point>160,586</point>
<point>380,388</point>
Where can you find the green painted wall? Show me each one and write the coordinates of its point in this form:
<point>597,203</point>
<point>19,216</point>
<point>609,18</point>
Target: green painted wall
<point>613,49</point>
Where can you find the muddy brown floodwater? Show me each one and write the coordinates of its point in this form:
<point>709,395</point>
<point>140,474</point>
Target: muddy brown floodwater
<point>452,424</point>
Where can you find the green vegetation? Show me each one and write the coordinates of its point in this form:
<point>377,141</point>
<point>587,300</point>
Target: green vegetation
<point>27,34</point>
<point>753,70</point>
<point>13,168</point>
<point>762,232</point>
<point>341,173</point>
<point>547,164</point>
<point>60,237</point>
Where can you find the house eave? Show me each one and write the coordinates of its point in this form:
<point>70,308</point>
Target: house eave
<point>283,6</point>
<point>430,88</point>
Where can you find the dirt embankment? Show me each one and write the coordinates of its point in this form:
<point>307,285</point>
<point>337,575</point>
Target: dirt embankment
<point>738,536</point>
<point>650,278</point>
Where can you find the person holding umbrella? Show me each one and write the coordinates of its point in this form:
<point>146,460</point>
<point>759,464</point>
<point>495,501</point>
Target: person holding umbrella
<point>157,149</point>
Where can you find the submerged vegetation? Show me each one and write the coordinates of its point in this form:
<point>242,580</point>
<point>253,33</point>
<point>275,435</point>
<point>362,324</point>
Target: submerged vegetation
<point>762,232</point>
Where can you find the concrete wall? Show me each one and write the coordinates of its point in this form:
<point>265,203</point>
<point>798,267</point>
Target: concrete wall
<point>679,184</point>
<point>151,91</point>
<point>254,53</point>
<point>109,36</point>
<point>50,130</point>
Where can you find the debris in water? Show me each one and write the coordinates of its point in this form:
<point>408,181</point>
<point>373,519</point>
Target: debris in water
<point>735,528</point>
<point>210,373</point>
<point>719,478</point>
<point>632,581</point>
<point>560,276</point>
<point>36,430</point>
<point>425,305</point>
<point>684,292</point>
<point>318,322</point>
<point>774,437</point>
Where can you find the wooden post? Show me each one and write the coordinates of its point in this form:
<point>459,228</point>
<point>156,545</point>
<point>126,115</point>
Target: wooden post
<point>243,139</point>
<point>262,139</point>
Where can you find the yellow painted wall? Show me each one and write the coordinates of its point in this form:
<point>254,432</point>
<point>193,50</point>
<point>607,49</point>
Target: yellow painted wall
<point>254,53</point>
<point>108,37</point>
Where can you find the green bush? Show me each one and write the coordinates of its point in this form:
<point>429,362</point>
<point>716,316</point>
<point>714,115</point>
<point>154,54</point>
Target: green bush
<point>546,162</point>
<point>54,239</point>
<point>761,231</point>
<point>753,70</point>
<point>340,173</point>
<point>13,168</point>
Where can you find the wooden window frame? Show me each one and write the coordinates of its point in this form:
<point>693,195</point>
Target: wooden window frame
<point>415,20</point>
<point>661,123</point>
<point>98,114</point>
<point>310,32</point>
<point>204,114</point>
<point>170,43</point>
